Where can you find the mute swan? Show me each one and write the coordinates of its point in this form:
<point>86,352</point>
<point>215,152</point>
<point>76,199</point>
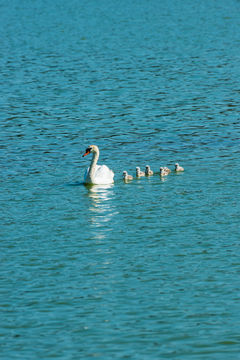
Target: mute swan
<point>148,171</point>
<point>127,177</point>
<point>97,174</point>
<point>178,167</point>
<point>164,171</point>
<point>139,173</point>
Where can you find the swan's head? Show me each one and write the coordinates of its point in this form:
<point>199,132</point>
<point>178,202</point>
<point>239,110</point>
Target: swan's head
<point>177,164</point>
<point>90,149</point>
<point>125,173</point>
<point>137,168</point>
<point>161,169</point>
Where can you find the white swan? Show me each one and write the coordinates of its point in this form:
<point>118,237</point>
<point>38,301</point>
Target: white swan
<point>97,174</point>
<point>178,168</point>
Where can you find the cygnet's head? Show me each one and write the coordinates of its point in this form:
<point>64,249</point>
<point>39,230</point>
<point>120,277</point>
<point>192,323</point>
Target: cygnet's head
<point>137,168</point>
<point>177,164</point>
<point>161,168</point>
<point>125,173</point>
<point>147,167</point>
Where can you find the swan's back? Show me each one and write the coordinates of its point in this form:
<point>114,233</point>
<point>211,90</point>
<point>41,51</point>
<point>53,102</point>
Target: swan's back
<point>103,175</point>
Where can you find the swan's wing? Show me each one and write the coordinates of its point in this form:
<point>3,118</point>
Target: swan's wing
<point>103,175</point>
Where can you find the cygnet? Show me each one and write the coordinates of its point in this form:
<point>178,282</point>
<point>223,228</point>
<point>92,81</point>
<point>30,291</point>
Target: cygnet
<point>178,168</point>
<point>148,171</point>
<point>127,177</point>
<point>164,171</point>
<point>139,173</point>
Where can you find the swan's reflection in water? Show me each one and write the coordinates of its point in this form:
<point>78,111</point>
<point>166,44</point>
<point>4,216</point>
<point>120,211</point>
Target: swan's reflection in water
<point>101,209</point>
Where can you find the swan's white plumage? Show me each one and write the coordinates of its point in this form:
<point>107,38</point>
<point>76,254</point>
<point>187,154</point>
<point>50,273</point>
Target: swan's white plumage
<point>97,174</point>
<point>102,175</point>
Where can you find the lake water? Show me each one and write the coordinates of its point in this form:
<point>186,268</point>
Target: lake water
<point>147,270</point>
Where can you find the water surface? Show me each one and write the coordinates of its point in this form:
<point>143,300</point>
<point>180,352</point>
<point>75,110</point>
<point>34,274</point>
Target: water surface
<point>145,270</point>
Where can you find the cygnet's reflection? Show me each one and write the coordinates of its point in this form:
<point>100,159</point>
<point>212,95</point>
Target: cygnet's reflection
<point>101,208</point>
<point>163,178</point>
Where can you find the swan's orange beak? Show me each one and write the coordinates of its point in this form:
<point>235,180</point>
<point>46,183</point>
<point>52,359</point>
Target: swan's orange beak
<point>86,153</point>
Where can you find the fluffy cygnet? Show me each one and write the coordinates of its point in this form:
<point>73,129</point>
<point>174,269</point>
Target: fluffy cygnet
<point>164,171</point>
<point>148,171</point>
<point>139,173</point>
<point>178,167</point>
<point>127,177</point>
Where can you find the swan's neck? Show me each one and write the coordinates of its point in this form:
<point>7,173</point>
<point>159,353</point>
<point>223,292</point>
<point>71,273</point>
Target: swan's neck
<point>93,164</point>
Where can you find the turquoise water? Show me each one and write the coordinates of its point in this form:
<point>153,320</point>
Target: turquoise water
<point>146,270</point>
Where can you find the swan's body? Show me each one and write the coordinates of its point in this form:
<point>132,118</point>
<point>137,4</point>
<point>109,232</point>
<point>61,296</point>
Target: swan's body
<point>97,174</point>
<point>178,168</point>
<point>164,171</point>
<point>127,177</point>
<point>139,173</point>
<point>148,171</point>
